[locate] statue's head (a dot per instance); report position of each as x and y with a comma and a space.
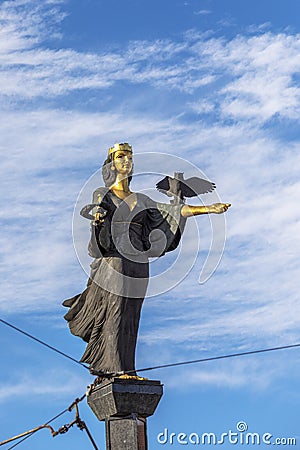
112, 165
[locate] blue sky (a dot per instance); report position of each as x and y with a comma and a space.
215, 83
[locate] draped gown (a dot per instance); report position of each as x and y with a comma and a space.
106, 314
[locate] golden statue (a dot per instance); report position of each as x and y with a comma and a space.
106, 314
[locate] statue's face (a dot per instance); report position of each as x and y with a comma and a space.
123, 162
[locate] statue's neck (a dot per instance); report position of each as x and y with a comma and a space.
121, 184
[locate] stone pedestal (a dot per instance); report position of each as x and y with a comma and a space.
125, 404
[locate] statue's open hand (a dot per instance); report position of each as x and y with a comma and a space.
219, 208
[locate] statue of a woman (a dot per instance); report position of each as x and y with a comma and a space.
127, 230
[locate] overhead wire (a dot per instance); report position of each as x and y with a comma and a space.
162, 366
214, 358
43, 343
31, 434
49, 421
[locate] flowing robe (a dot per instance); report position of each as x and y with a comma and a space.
106, 314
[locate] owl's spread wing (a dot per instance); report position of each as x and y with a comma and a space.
164, 186
196, 186
189, 188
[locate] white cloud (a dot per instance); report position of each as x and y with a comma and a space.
261, 28
48, 153
262, 232
202, 12
235, 374
51, 384
242, 69
24, 23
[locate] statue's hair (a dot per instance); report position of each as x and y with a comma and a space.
109, 175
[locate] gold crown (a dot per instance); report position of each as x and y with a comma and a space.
122, 146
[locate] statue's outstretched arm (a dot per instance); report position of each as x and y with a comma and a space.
215, 208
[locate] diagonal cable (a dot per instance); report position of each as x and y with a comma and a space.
214, 358
43, 343
47, 423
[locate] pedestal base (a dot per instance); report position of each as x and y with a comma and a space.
122, 397
124, 404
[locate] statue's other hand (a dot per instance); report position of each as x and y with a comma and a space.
219, 208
